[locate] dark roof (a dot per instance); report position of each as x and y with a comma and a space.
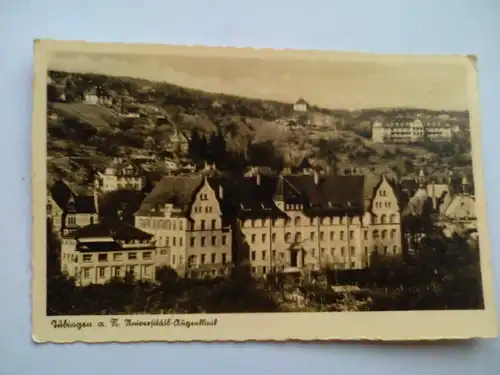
67, 199
117, 229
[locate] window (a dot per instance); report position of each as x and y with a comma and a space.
213, 258
351, 235
224, 239
288, 237
264, 269
173, 259
173, 224
102, 272
167, 241
353, 250
214, 224
288, 221
311, 221
253, 270
87, 257
181, 225
312, 236
264, 237
313, 253
385, 250
174, 240
181, 259
384, 234
332, 252
116, 272
366, 251
71, 220
383, 219
203, 241
103, 257
332, 235
192, 242
322, 251
253, 238
365, 234
273, 237
375, 234
264, 255
132, 256
254, 255
117, 256
342, 251
297, 221
208, 209
202, 261
393, 233
86, 273
202, 225
394, 249
192, 260
180, 241
91, 220
273, 256
223, 258
392, 219
146, 255
321, 236
163, 252
342, 235
298, 237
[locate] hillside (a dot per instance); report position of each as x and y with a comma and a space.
231, 131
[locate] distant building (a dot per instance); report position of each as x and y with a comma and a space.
301, 106
409, 130
67, 211
178, 142
186, 218
96, 253
97, 96
460, 214
120, 175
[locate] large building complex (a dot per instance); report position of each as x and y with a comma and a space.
410, 130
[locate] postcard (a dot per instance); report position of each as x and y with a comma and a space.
190, 193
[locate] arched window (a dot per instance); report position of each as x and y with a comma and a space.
288, 221
288, 237
393, 233
383, 219
384, 234
298, 237
395, 249
375, 234
297, 221
393, 218
341, 235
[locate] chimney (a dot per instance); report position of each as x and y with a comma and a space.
221, 191
316, 177
257, 177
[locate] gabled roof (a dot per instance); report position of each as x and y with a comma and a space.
301, 101
67, 199
116, 229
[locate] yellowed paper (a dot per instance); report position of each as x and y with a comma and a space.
224, 194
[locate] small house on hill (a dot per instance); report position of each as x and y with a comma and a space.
96, 95
301, 105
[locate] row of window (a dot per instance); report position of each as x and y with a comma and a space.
194, 260
204, 242
385, 250
383, 219
156, 224
147, 271
146, 255
199, 209
376, 234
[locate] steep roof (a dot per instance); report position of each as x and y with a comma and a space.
67, 199
116, 229
301, 101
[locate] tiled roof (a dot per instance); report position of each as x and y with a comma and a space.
117, 229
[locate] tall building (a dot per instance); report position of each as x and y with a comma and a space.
121, 175
185, 215
312, 221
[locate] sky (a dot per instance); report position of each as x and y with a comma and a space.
329, 84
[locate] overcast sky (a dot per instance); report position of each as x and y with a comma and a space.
349, 85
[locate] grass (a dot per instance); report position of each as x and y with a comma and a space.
98, 116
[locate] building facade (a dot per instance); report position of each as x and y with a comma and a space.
185, 216
119, 176
297, 222
68, 211
408, 130
97, 253
301, 106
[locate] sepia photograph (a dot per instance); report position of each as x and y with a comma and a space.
212, 194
